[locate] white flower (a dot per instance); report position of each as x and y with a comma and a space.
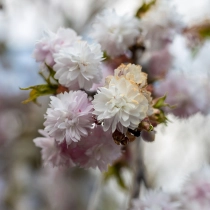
52, 153
51, 43
69, 116
115, 33
133, 73
79, 64
120, 104
162, 14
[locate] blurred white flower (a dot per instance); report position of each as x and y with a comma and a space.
69, 116
180, 143
120, 104
155, 200
196, 191
115, 33
52, 42
160, 24
79, 64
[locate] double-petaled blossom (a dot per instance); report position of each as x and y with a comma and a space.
122, 103
115, 33
69, 116
134, 74
51, 43
79, 65
155, 200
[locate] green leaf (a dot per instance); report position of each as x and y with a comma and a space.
161, 118
39, 90
115, 171
145, 7
161, 103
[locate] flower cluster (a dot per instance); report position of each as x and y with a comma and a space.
83, 119
77, 64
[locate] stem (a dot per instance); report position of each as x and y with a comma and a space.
46, 80
138, 175
94, 197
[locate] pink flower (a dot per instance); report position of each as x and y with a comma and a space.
96, 150
155, 200
69, 116
196, 192
51, 43
52, 153
189, 94
159, 63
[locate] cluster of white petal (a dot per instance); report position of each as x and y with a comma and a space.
155, 200
115, 33
51, 43
69, 116
133, 73
122, 103
79, 64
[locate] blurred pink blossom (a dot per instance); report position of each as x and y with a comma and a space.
52, 153
189, 94
196, 191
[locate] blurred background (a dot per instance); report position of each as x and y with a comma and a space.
24, 183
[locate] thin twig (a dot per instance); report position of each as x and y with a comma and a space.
138, 175
94, 197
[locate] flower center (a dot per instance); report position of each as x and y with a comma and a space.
71, 120
118, 101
